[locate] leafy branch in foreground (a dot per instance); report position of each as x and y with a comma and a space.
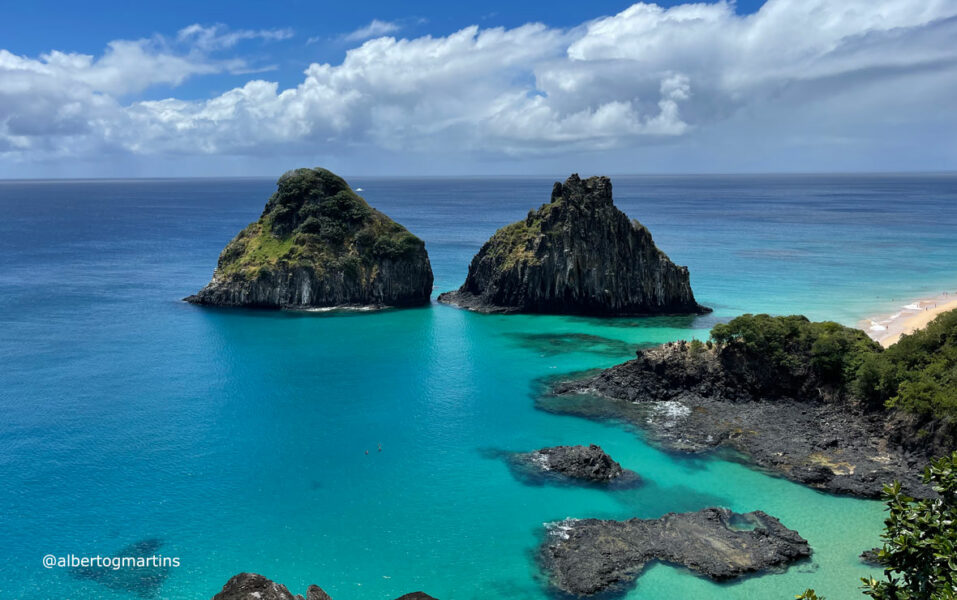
920, 541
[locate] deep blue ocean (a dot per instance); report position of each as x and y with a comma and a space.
236, 440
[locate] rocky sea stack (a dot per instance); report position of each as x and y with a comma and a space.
319, 244
578, 254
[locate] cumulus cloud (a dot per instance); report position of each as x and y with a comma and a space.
647, 75
375, 28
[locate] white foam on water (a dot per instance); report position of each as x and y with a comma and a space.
561, 529
541, 460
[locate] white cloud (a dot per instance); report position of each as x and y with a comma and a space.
219, 37
375, 28
798, 72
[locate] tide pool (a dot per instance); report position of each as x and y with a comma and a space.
238, 438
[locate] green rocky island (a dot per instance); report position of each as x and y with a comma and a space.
319, 244
577, 254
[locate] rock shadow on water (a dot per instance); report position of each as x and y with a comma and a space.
552, 344
691, 322
654, 499
141, 581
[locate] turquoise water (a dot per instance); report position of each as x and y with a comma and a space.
239, 438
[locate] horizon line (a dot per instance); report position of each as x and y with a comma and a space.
486, 176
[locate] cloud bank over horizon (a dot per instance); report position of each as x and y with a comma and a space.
798, 85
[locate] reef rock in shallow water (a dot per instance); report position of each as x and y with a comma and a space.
319, 244
590, 556
587, 463
578, 254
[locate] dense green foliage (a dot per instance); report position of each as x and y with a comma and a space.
918, 374
831, 351
920, 541
315, 219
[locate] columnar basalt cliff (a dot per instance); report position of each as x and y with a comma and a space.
319, 244
578, 254
585, 557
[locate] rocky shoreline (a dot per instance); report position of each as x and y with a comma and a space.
591, 556
687, 401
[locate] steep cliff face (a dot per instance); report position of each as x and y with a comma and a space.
578, 254
319, 244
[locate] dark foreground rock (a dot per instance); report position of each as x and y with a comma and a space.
318, 245
588, 463
590, 556
694, 400
871, 557
578, 254
250, 586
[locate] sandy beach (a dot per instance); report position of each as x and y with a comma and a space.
888, 329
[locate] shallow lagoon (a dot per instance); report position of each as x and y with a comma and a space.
238, 438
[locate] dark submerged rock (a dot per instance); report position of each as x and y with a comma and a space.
578, 254
319, 244
590, 556
251, 586
143, 581
696, 399
588, 463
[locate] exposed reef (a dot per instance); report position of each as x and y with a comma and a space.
250, 586
318, 244
579, 255
590, 556
586, 463
788, 420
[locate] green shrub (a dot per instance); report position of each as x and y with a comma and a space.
918, 374
795, 344
920, 540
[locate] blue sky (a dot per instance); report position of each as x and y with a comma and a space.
106, 89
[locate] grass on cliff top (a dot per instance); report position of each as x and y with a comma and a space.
918, 374
514, 243
315, 219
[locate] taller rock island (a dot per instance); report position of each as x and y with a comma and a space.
578, 254
319, 244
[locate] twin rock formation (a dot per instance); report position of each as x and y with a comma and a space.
319, 244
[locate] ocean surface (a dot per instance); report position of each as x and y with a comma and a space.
237, 440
